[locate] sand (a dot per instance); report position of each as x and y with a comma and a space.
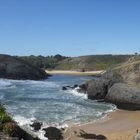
70, 72
118, 125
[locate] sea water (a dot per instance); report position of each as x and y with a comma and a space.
45, 101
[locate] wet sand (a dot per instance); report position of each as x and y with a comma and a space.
118, 125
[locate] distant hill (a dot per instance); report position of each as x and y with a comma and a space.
46, 62
15, 68
91, 62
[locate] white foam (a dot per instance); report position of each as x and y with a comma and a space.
76, 93
22, 121
4, 84
41, 83
40, 134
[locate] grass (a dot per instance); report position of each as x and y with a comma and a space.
4, 117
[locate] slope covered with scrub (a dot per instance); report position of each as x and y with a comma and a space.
129, 71
91, 62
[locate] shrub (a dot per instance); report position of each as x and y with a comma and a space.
11, 129
4, 117
2, 108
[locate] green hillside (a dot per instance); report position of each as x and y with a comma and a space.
91, 62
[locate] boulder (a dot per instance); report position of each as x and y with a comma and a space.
52, 133
64, 88
124, 96
82, 88
85, 135
36, 125
15, 68
97, 88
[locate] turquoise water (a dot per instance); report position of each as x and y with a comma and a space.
46, 102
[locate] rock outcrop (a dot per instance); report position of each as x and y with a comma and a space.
15, 68
124, 96
119, 85
53, 133
97, 88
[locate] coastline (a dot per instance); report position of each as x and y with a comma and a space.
72, 72
117, 125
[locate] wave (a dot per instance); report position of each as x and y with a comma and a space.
5, 84
22, 121
76, 93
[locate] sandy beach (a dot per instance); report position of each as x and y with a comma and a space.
118, 125
70, 72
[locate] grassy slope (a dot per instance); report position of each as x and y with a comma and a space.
129, 70
91, 62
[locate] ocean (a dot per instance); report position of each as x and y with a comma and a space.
45, 101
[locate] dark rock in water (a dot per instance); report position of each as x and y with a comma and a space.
52, 133
75, 86
15, 68
124, 96
36, 125
69, 87
82, 88
64, 88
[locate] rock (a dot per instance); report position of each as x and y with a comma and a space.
36, 125
64, 88
97, 88
82, 88
124, 96
69, 87
52, 133
15, 68
85, 135
75, 86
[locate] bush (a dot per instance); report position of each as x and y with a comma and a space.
11, 129
2, 108
4, 118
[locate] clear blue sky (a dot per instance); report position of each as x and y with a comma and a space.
69, 27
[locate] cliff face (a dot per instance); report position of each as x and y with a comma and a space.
15, 68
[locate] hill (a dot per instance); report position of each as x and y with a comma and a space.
129, 71
15, 68
91, 62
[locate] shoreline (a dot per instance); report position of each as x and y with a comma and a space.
116, 125
72, 72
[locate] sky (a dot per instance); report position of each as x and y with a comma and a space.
69, 27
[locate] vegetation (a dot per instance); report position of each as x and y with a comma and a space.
44, 62
11, 129
91, 62
129, 71
4, 117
